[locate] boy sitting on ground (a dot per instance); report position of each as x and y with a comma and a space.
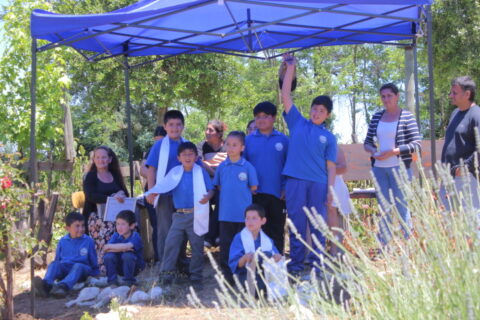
191, 190
124, 251
75, 260
247, 242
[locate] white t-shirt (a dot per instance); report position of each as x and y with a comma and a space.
386, 132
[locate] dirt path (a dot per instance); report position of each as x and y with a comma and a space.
174, 305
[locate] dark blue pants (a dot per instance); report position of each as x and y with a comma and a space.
68, 274
121, 263
152, 216
299, 194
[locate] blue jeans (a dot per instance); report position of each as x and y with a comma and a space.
386, 181
68, 274
300, 193
121, 263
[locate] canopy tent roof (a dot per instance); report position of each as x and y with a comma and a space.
242, 27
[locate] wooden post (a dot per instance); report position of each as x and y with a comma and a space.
68, 131
409, 80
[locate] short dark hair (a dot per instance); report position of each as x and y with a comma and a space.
266, 107
72, 217
237, 134
187, 146
173, 114
324, 101
160, 131
466, 83
250, 123
389, 86
128, 216
256, 207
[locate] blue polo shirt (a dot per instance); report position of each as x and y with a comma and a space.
268, 155
77, 250
235, 180
310, 147
137, 243
154, 154
183, 192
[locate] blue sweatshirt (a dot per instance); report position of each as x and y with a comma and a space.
77, 250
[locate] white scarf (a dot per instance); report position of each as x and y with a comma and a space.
163, 158
249, 243
172, 179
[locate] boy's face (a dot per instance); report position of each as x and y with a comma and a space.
234, 146
174, 128
123, 228
318, 113
187, 158
264, 122
76, 229
253, 221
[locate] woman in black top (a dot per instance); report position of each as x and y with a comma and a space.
212, 151
104, 179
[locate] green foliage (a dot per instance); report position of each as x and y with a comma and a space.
456, 39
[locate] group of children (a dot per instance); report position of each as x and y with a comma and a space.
76, 258
261, 170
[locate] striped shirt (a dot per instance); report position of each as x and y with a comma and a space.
407, 138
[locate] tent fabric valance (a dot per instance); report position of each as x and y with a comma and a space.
173, 27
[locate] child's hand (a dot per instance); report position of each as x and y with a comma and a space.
289, 59
248, 257
151, 198
205, 199
277, 257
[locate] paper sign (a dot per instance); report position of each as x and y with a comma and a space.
113, 207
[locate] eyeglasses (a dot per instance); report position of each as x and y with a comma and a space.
263, 117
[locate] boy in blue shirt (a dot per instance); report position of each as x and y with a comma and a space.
310, 166
266, 149
75, 260
237, 180
249, 240
192, 189
161, 159
124, 251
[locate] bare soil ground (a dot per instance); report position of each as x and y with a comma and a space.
174, 305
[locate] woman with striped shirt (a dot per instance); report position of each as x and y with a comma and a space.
392, 137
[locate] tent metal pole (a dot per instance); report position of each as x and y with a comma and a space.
126, 72
431, 88
249, 24
33, 174
415, 74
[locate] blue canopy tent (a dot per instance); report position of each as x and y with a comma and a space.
247, 28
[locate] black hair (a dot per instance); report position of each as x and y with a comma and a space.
266, 107
237, 134
256, 207
160, 131
466, 83
389, 86
128, 216
173, 114
324, 101
249, 123
187, 146
72, 217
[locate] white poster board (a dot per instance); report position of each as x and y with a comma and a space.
113, 207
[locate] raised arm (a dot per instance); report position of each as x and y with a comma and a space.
290, 62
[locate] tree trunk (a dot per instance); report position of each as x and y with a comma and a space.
160, 114
68, 130
409, 80
8, 311
353, 101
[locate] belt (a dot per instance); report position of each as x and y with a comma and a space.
184, 210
